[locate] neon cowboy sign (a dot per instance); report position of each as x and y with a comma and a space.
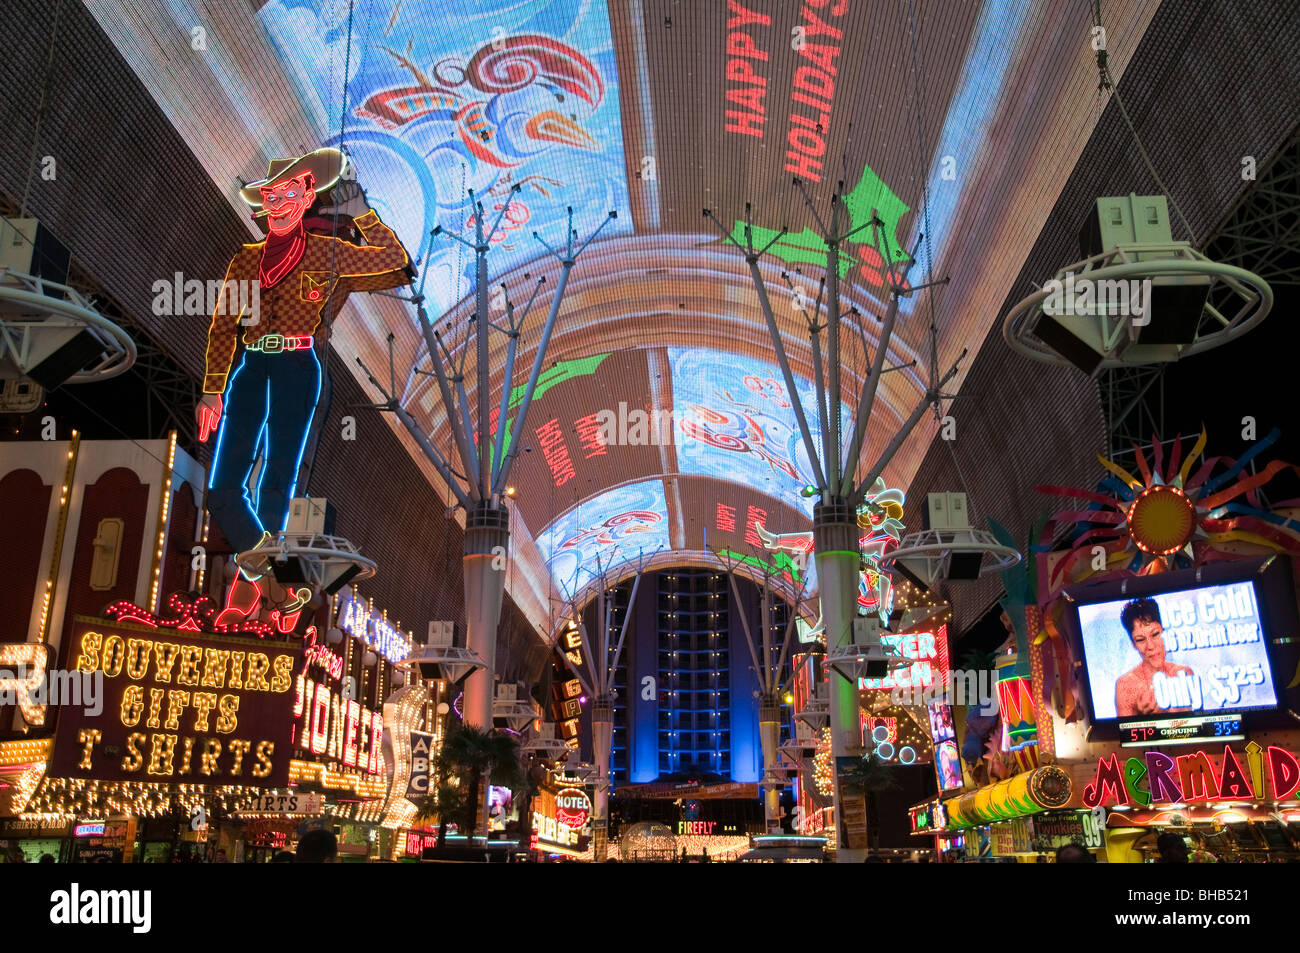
1158, 778
375, 631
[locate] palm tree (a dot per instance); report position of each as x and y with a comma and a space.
979, 660
531, 777
867, 777
472, 754
444, 805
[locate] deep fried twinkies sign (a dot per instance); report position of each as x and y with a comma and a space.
179, 708
1251, 774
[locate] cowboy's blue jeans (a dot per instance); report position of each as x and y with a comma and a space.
267, 412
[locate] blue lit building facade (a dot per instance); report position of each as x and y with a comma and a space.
686, 705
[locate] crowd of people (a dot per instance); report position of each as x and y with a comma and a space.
317, 846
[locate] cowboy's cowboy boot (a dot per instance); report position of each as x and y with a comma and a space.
252, 563
289, 599
298, 599
242, 600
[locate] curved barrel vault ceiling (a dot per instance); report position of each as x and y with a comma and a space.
626, 105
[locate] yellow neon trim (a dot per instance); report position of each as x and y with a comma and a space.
164, 507
59, 531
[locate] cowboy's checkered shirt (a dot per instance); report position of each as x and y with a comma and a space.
303, 300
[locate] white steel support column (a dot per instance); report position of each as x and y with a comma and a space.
487, 542
769, 730
835, 547
836, 536
602, 742
482, 487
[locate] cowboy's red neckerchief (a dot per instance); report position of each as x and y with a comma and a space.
280, 255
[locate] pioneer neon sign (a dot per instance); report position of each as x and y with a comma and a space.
1159, 778
336, 727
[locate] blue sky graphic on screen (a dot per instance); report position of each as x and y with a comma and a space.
1198, 651
522, 92
734, 421
606, 530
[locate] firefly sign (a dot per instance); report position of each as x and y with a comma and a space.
572, 808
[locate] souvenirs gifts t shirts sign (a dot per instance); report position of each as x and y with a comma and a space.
179, 707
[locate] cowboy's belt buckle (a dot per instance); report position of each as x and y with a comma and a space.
272, 343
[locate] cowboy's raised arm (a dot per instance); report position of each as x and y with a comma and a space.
382, 262
382, 255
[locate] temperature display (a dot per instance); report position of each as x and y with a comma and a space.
1180, 730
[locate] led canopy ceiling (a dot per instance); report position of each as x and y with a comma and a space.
657, 109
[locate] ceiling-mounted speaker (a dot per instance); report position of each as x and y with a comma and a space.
29, 248
914, 571
346, 576
290, 571
1126, 220
69, 352
1075, 339
963, 566
876, 668
311, 516
1176, 306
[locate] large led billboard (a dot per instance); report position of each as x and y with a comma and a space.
719, 431
638, 521
622, 524
1200, 650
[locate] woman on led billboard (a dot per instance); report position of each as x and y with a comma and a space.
1134, 690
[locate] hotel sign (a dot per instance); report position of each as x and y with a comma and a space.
550, 827
572, 808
